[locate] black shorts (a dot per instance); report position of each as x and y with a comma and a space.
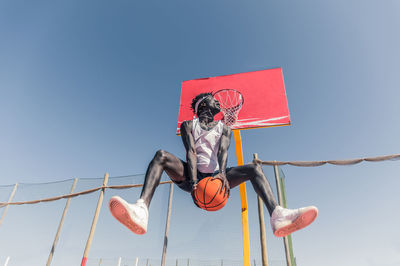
185, 185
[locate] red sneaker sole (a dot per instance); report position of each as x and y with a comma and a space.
120, 213
302, 221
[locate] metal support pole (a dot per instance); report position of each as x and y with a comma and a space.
263, 235
9, 200
137, 261
94, 223
243, 198
119, 261
171, 192
280, 198
53, 247
101, 260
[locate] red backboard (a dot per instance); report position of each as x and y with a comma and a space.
265, 102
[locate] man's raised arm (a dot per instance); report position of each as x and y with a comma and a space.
223, 156
223, 148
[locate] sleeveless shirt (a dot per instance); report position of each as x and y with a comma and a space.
207, 145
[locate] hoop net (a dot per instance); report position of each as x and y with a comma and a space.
231, 101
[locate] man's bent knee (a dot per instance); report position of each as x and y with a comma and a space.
256, 169
160, 156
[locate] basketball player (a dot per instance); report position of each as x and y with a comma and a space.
206, 142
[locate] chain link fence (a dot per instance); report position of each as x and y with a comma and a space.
176, 262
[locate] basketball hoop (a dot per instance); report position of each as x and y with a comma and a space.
231, 101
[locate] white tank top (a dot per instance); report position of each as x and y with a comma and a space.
207, 145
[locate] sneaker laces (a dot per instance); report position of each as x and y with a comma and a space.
140, 209
281, 214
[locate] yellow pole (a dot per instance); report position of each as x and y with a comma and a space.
243, 199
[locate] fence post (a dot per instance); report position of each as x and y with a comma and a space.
94, 223
7, 260
49, 259
171, 192
263, 235
9, 200
261, 221
280, 198
289, 237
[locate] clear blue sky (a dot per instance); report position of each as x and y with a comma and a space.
93, 86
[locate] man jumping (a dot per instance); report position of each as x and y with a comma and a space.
206, 142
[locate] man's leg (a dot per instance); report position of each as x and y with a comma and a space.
162, 161
283, 221
135, 216
255, 174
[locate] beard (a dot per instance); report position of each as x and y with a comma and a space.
206, 113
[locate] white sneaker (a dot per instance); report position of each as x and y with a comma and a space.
286, 221
134, 216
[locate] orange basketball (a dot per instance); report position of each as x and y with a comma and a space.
210, 195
